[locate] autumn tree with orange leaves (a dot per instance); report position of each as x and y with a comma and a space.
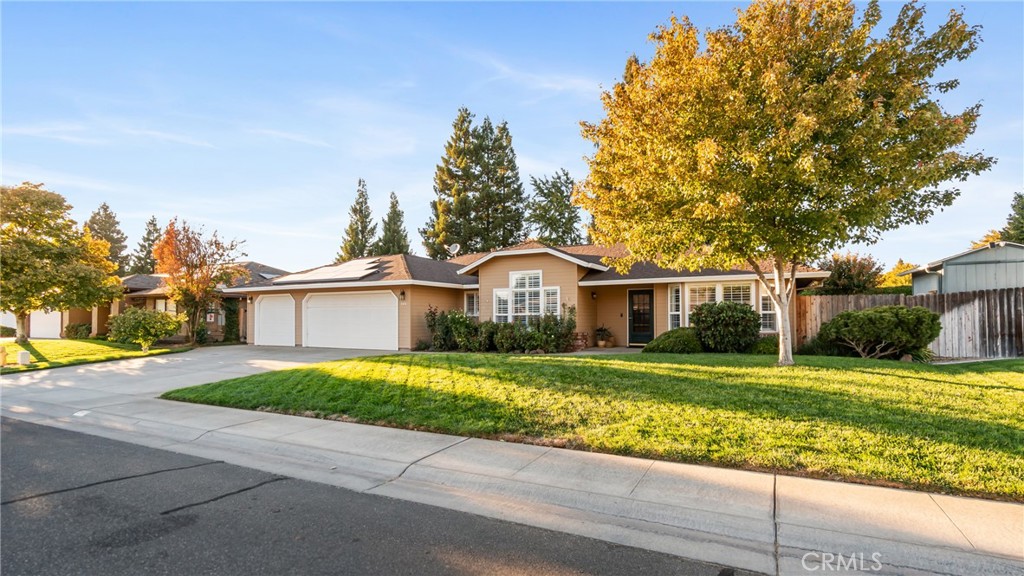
195, 267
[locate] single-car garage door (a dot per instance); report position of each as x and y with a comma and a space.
44, 324
351, 320
275, 320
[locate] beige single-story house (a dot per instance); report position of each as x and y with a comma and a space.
381, 302
147, 291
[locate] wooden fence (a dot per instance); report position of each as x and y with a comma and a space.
979, 324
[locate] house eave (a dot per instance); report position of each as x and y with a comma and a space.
322, 285
692, 279
555, 253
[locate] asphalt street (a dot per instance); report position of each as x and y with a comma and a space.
79, 504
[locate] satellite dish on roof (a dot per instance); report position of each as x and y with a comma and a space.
454, 249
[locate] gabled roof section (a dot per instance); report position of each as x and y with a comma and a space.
938, 264
140, 282
383, 270
535, 247
258, 271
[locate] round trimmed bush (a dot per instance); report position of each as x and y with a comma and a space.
726, 326
883, 331
678, 341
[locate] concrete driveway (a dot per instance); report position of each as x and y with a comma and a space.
119, 381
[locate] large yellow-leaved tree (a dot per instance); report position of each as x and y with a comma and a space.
779, 139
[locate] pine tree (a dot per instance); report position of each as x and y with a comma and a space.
508, 212
482, 226
359, 236
1014, 230
103, 224
142, 259
393, 237
454, 185
553, 218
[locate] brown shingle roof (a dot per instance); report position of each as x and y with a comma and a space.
393, 268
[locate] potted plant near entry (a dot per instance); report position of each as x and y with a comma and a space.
603, 335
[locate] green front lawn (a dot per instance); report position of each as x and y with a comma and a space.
54, 353
957, 428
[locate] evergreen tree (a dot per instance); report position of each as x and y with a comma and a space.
103, 224
509, 213
142, 260
481, 230
1014, 230
359, 236
393, 237
454, 184
553, 218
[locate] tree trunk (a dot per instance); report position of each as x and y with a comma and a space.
785, 331
21, 327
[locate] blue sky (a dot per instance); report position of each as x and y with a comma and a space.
257, 119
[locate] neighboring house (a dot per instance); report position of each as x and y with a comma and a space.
148, 291
995, 265
381, 302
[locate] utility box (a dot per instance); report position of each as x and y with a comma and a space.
24, 357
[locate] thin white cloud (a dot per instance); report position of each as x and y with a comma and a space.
542, 85
169, 137
289, 136
70, 132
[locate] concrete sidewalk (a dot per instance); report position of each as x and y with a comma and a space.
760, 522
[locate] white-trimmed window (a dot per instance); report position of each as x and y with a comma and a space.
675, 307
473, 304
767, 314
739, 293
165, 305
526, 297
697, 294
501, 305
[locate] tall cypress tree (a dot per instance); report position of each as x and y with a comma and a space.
103, 224
510, 211
393, 237
142, 259
454, 184
359, 236
1014, 229
552, 216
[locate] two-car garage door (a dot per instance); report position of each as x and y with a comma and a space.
367, 320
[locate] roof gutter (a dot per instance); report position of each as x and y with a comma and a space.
336, 285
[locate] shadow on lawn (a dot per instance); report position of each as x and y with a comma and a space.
723, 387
319, 392
39, 356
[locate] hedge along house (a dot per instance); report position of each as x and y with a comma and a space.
381, 303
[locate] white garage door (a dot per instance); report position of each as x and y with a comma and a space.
354, 320
275, 320
44, 324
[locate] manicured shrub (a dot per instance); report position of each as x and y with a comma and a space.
144, 327
726, 326
485, 338
7, 332
441, 337
201, 334
77, 331
767, 345
883, 332
556, 333
465, 330
678, 341
510, 337
422, 345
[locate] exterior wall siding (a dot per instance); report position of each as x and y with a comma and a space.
554, 272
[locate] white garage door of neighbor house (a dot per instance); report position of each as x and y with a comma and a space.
275, 320
366, 320
44, 324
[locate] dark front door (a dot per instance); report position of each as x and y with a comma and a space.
641, 316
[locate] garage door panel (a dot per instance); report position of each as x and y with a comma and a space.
44, 324
354, 320
275, 320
